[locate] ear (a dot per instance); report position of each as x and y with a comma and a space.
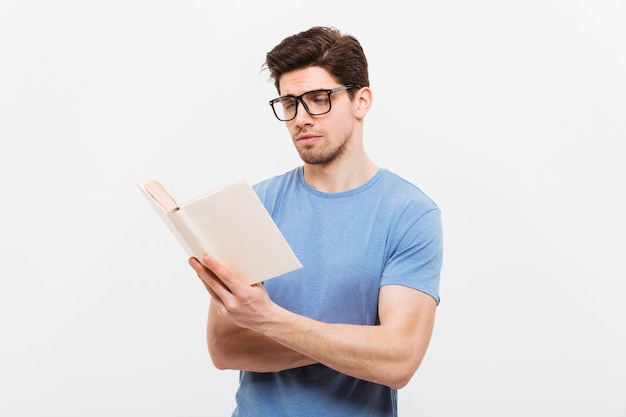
363, 102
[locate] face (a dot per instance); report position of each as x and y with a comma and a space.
325, 138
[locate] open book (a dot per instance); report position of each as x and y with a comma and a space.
230, 224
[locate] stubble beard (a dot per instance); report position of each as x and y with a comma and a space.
325, 153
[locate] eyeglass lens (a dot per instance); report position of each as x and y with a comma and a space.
314, 102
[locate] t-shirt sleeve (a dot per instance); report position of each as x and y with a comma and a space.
416, 259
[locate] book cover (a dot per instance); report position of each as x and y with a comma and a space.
229, 223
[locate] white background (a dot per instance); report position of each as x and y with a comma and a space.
510, 115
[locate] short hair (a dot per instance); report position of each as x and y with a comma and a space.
326, 47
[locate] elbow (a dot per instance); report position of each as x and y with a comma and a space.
400, 380
218, 362
404, 371
218, 357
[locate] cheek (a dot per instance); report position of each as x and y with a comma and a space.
293, 130
341, 125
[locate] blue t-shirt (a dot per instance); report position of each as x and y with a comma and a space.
350, 243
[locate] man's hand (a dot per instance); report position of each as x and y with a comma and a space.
247, 330
243, 304
231, 344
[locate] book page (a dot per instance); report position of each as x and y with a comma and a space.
230, 224
158, 193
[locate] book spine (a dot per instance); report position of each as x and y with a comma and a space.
181, 229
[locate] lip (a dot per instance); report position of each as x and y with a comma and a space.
307, 139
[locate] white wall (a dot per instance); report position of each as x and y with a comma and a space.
511, 115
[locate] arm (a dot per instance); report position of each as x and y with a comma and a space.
234, 347
388, 354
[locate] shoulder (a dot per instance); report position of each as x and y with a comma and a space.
415, 238
403, 196
415, 221
272, 189
276, 183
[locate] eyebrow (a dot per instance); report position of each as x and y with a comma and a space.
307, 91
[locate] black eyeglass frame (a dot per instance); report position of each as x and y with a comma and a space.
306, 108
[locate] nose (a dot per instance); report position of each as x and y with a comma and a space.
303, 118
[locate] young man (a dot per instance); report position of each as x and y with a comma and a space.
341, 335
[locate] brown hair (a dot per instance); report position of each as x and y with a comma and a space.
341, 55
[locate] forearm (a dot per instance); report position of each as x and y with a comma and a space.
372, 353
277, 339
233, 347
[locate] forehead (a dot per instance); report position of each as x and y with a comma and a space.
305, 79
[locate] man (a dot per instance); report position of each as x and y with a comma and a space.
341, 335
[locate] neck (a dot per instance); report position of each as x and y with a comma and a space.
337, 176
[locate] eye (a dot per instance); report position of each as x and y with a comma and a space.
288, 103
317, 98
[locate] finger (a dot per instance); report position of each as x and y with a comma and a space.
208, 278
202, 271
208, 288
230, 281
196, 264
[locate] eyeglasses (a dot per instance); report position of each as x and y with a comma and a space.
316, 103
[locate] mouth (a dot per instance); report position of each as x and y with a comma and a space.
307, 139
